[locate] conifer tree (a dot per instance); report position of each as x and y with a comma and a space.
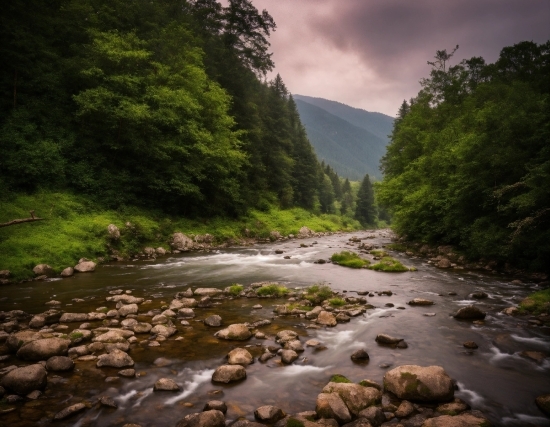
365, 211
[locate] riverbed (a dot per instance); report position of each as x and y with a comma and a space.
493, 378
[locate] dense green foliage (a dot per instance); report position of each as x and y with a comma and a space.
349, 259
152, 104
469, 158
76, 227
365, 210
350, 140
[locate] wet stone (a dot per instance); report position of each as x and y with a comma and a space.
217, 405
166, 384
470, 345
68, 411
108, 402
360, 355
127, 373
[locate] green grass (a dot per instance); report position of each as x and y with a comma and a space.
339, 379
349, 259
272, 290
75, 227
337, 302
390, 265
378, 252
317, 293
293, 422
235, 289
537, 303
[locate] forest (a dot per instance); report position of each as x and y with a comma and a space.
469, 159
160, 105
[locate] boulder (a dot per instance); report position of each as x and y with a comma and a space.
331, 405
355, 396
239, 356
373, 415
114, 232
166, 384
85, 266
125, 299
288, 356
237, 331
73, 317
285, 335
229, 373
160, 251
67, 272
326, 318
142, 328
405, 409
312, 314
218, 405
294, 345
543, 402
213, 320
43, 349
181, 242
43, 269
305, 232
212, 418
149, 251
20, 338
453, 408
420, 301
470, 312
115, 359
187, 313
421, 384
37, 322
68, 411
183, 303
127, 309
268, 414
479, 295
462, 420
165, 331
444, 263
387, 339
26, 379
360, 355
113, 336
59, 363
205, 302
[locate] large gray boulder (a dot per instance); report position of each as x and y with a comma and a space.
20, 338
115, 359
212, 418
288, 356
470, 312
26, 379
421, 384
43, 349
229, 373
355, 396
237, 331
331, 405
239, 356
181, 242
165, 331
207, 292
214, 320
73, 317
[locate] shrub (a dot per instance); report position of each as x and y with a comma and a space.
378, 252
337, 302
318, 293
389, 264
349, 259
272, 290
235, 289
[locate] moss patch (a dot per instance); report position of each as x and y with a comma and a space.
272, 290
537, 303
339, 379
318, 293
337, 302
293, 422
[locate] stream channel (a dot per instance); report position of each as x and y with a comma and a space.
494, 378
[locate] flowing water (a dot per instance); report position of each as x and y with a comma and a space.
493, 378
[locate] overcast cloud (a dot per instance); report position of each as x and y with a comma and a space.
371, 54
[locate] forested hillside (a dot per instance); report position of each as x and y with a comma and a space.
155, 104
469, 158
350, 140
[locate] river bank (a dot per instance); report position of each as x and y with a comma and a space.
74, 227
500, 378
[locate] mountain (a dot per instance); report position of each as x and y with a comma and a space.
352, 141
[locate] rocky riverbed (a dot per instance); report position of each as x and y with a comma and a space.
271, 352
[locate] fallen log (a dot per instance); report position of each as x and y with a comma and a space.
20, 221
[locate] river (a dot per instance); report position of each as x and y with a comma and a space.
494, 378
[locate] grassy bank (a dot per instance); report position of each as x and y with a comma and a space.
74, 227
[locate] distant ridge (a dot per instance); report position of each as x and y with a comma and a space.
351, 140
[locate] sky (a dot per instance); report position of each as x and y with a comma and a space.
371, 54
